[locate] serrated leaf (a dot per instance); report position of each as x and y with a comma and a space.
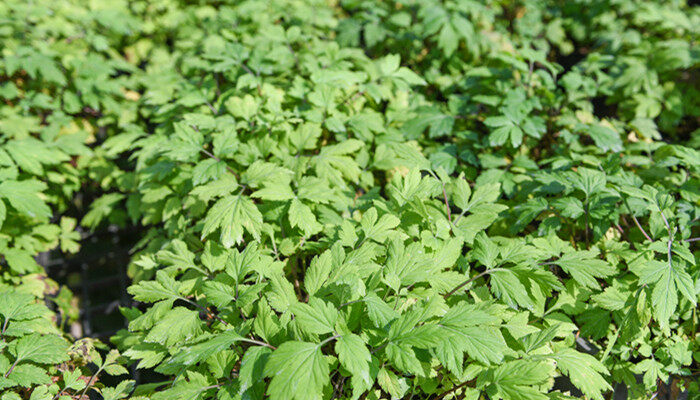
42, 349
584, 371
354, 356
298, 370
25, 197
316, 316
584, 268
231, 214
178, 326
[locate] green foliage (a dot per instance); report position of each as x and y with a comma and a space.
59, 93
368, 199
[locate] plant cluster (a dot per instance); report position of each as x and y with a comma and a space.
60, 93
358, 199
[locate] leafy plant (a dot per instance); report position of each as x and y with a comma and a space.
365, 200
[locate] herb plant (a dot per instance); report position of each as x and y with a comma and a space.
369, 199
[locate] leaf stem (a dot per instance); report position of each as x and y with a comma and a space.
14, 364
4, 326
587, 223
444, 195
212, 156
670, 235
350, 302
447, 204
336, 336
636, 222
470, 280
89, 383
259, 343
201, 307
454, 389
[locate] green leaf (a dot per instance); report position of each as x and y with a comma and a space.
404, 359
300, 215
165, 288
437, 123
485, 251
392, 384
318, 272
232, 214
378, 229
584, 268
42, 349
379, 312
354, 356
519, 379
28, 375
281, 296
506, 286
298, 370
121, 391
253, 367
3, 212
202, 351
605, 138
316, 316
584, 371
178, 326
25, 196
16, 306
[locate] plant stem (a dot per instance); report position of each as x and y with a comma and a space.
470, 280
454, 389
587, 223
349, 302
9, 371
636, 222
213, 315
444, 195
89, 383
447, 204
336, 336
259, 343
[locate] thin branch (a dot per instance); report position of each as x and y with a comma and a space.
349, 302
259, 343
470, 280
668, 227
695, 239
587, 223
336, 336
636, 222
211, 107
201, 307
212, 156
447, 204
376, 349
255, 74
4, 326
14, 364
455, 388
670, 235
612, 342
670, 244
89, 383
352, 97
294, 54
444, 195
246, 69
460, 216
